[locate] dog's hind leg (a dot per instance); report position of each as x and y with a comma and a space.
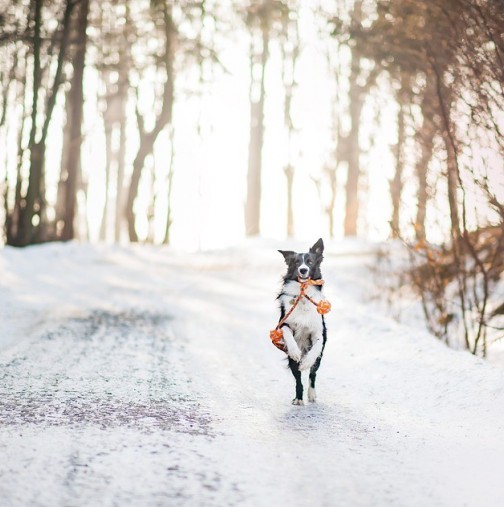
294, 366
312, 394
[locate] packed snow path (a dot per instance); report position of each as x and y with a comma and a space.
139, 376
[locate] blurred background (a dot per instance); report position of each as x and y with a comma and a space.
197, 124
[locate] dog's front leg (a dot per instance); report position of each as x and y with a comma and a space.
310, 358
292, 347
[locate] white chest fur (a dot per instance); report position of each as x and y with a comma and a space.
305, 319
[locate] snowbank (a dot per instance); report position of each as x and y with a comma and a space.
142, 375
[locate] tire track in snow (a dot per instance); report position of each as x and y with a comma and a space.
100, 412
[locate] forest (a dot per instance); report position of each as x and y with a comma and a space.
251, 253
159, 121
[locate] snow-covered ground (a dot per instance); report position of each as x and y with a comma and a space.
143, 376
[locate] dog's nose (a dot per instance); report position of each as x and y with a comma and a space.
303, 271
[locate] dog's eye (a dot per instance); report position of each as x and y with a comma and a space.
309, 262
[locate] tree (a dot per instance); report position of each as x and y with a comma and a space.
76, 102
260, 19
425, 141
163, 12
30, 211
360, 83
396, 184
290, 53
114, 65
454, 52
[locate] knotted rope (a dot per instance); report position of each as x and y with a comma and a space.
323, 307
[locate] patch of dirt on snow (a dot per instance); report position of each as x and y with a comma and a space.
107, 370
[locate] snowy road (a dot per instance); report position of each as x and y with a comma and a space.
134, 376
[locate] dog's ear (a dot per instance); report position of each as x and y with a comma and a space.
318, 248
288, 255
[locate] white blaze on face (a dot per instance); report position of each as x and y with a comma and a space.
304, 270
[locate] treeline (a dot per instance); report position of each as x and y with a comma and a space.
446, 60
436, 66
440, 64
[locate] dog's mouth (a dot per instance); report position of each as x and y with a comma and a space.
303, 278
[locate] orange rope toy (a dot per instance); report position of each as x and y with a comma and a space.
323, 307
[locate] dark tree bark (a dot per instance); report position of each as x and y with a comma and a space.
6, 85
25, 226
13, 216
65, 151
77, 101
32, 209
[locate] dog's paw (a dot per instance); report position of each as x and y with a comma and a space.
306, 363
312, 395
296, 401
295, 354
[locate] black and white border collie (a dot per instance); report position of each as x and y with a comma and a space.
304, 332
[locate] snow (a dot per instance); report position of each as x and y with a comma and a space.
145, 376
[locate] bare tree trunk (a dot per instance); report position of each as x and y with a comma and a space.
108, 162
77, 100
6, 84
396, 185
253, 201
34, 200
290, 54
121, 156
25, 226
333, 186
350, 144
353, 150
146, 147
452, 177
12, 220
10, 78
5, 189
331, 169
426, 140
289, 173
65, 151
422, 167
147, 139
452, 185
452, 169
166, 239
123, 88
32, 217
151, 209
114, 116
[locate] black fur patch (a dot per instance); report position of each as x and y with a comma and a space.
312, 259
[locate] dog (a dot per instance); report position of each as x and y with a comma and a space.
304, 331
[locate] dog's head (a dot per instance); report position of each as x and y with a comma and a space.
304, 265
